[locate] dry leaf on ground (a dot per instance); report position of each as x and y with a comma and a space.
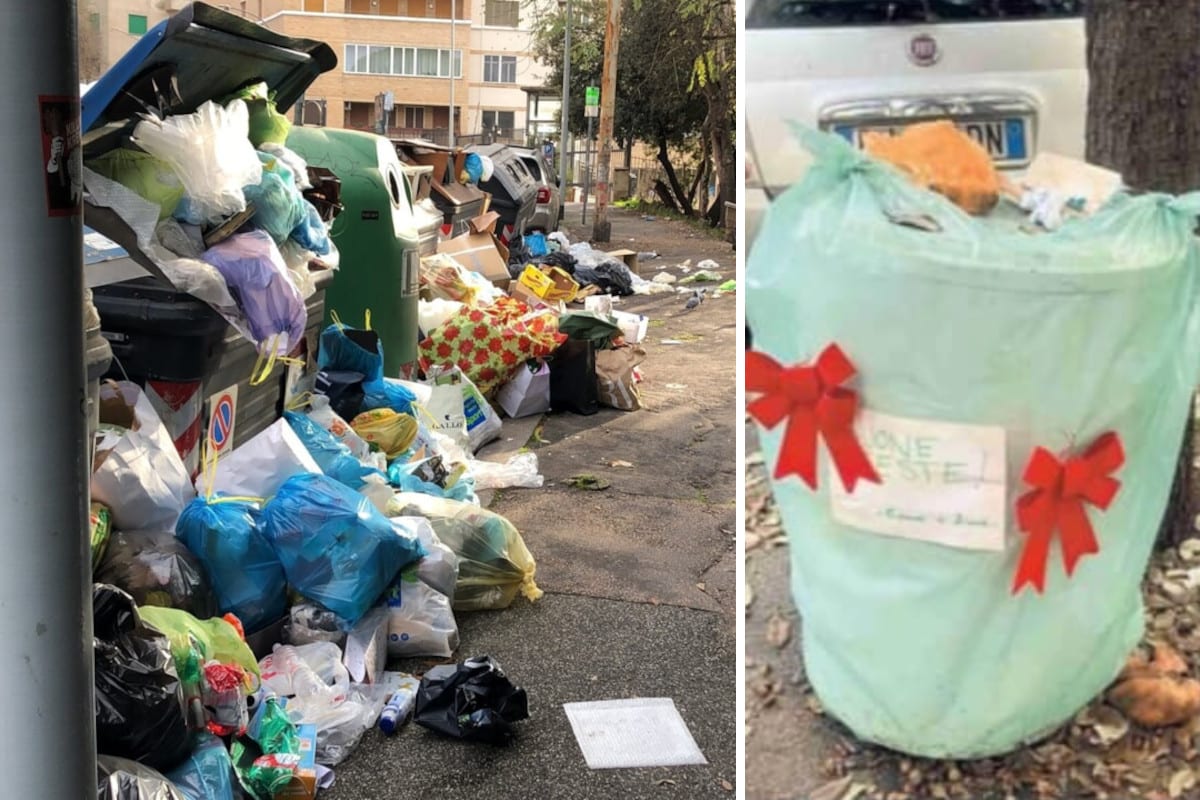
779, 631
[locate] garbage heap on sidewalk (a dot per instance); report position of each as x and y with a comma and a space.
244, 616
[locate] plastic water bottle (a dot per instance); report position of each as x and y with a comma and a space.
398, 707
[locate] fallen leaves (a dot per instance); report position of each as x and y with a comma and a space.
1157, 693
779, 631
1180, 782
589, 483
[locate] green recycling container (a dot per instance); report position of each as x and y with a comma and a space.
376, 235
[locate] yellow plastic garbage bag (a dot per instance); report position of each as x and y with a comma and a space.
493, 561
390, 431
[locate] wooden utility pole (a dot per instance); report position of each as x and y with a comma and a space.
602, 228
1144, 122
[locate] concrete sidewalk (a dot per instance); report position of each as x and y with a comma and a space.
639, 578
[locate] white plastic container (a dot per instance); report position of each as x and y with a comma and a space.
633, 326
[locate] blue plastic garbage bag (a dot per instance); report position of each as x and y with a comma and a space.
536, 244
346, 349
333, 457
247, 577
310, 232
384, 393
474, 167
208, 772
278, 205
401, 479
257, 276
336, 548
913, 636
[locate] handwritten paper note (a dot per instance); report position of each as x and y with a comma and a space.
942, 482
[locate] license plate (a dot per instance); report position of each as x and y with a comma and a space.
1006, 140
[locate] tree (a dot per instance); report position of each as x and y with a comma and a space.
659, 100
1144, 122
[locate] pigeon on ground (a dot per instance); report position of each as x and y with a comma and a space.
696, 299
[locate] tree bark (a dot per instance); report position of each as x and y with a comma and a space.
664, 158
1144, 122
664, 194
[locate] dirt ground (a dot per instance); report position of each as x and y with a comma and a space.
795, 752
639, 577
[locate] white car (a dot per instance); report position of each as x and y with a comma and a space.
1012, 73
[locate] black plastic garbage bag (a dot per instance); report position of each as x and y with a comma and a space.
158, 570
561, 259
122, 779
344, 390
139, 698
611, 277
472, 701
573, 384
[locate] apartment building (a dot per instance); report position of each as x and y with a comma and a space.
415, 49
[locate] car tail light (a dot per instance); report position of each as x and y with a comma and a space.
543, 194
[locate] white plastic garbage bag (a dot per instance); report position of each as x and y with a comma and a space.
520, 471
258, 468
421, 621
137, 472
210, 152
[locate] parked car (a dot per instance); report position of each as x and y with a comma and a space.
549, 208
513, 189
1012, 73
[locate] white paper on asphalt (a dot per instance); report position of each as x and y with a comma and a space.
640, 732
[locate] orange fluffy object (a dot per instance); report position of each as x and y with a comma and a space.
1157, 693
938, 156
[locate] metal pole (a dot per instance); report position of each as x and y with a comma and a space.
566, 108
602, 228
587, 171
46, 676
453, 25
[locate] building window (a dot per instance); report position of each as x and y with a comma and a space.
499, 120
501, 13
414, 117
137, 24
499, 69
413, 62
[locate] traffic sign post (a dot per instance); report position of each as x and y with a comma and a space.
591, 110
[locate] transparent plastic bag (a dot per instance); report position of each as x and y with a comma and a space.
211, 153
122, 779
322, 413
520, 470
208, 772
292, 159
309, 623
157, 569
253, 268
312, 673
152, 178
214, 639
439, 567
493, 562
391, 432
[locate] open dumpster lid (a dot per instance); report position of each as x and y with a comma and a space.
201, 54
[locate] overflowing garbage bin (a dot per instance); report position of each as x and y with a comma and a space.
972, 424
459, 203
429, 219
513, 189
376, 234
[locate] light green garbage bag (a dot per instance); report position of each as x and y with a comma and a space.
912, 634
150, 177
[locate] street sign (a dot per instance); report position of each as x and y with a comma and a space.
591, 111
389, 100
591, 96
221, 419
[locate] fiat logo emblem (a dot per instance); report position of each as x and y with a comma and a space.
923, 50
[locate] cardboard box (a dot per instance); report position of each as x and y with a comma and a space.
519, 291
304, 784
552, 285
479, 250
628, 257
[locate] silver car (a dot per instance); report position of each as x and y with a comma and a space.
549, 208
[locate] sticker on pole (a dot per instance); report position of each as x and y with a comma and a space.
62, 160
221, 418
591, 96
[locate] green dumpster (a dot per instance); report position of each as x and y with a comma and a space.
376, 235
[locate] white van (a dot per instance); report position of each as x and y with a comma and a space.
1012, 73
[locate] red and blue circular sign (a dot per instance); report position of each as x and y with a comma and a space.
220, 429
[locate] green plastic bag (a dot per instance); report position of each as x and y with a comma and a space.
149, 177
1042, 339
211, 639
266, 123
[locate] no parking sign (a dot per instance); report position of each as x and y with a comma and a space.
222, 415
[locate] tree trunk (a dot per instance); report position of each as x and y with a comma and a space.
664, 158
664, 194
1144, 122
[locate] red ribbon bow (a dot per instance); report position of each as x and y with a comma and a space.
1057, 500
811, 399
